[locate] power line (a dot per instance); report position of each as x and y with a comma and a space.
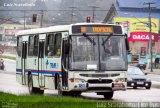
93, 9
72, 13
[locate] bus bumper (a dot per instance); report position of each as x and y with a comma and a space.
85, 86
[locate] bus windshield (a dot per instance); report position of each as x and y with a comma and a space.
98, 53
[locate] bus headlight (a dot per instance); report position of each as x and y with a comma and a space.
121, 80
77, 80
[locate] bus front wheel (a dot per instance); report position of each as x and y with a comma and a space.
108, 95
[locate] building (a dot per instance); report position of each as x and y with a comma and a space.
133, 15
8, 32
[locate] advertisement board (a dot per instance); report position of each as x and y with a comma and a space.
138, 29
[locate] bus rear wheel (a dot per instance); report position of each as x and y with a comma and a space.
33, 90
59, 86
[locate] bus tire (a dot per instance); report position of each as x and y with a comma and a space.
59, 86
75, 93
37, 91
108, 95
30, 84
33, 90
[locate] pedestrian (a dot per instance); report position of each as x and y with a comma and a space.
156, 62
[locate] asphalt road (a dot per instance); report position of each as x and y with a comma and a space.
8, 84
10, 66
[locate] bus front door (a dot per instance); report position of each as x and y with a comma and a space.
41, 64
24, 61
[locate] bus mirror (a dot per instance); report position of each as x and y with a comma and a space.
126, 42
67, 47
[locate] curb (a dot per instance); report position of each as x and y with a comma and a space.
155, 84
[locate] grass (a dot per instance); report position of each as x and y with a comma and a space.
39, 101
8, 57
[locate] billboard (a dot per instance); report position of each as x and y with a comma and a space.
11, 32
138, 29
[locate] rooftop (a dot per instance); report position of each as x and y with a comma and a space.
137, 3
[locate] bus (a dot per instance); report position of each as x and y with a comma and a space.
72, 59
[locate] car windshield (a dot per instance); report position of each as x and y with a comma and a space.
98, 53
134, 71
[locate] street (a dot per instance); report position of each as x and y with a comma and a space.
94, 46
10, 66
8, 84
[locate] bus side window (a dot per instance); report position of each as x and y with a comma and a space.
49, 45
57, 44
19, 46
36, 45
31, 45
53, 44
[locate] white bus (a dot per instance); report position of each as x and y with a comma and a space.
73, 59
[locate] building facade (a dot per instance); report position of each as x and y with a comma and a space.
133, 16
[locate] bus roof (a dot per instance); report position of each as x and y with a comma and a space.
54, 28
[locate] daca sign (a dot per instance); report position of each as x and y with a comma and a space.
142, 36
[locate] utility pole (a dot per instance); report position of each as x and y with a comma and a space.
150, 33
41, 23
24, 20
93, 9
72, 13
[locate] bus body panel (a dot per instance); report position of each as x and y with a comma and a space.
83, 84
18, 70
44, 68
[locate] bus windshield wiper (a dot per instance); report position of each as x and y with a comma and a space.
104, 41
89, 38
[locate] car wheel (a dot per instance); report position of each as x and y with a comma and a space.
148, 87
135, 87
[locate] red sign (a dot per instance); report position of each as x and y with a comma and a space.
142, 37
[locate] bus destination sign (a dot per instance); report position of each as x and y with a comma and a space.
96, 29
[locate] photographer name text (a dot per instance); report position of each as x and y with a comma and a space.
19, 4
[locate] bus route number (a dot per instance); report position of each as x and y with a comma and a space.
82, 86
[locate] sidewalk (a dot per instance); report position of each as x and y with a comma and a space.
9, 54
155, 71
155, 77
